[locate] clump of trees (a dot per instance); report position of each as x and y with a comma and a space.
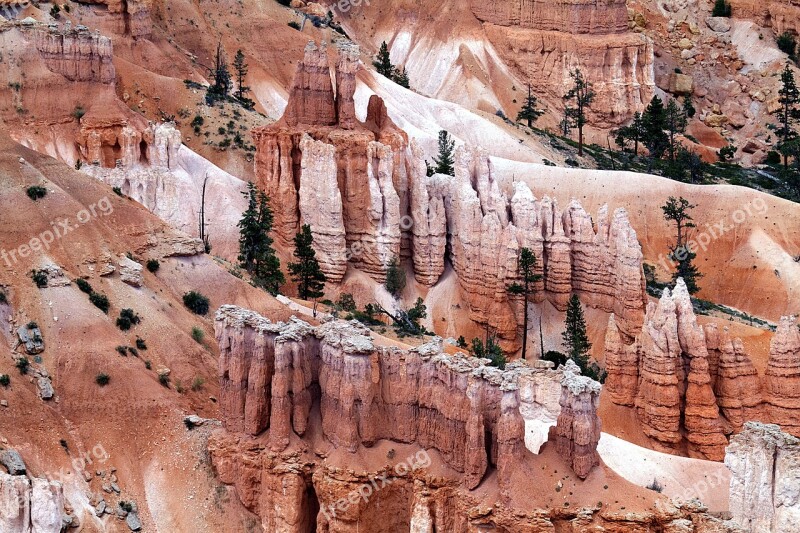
491, 350
223, 81
395, 278
256, 254
383, 64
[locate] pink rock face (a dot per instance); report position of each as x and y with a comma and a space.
77, 55
468, 412
782, 377
364, 161
622, 367
583, 16
578, 427
738, 389
667, 372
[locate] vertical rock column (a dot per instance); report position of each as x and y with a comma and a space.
319, 188
782, 383
578, 426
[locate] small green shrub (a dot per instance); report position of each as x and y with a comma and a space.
656, 486
197, 383
196, 303
198, 335
294, 24
153, 265
23, 365
140, 344
39, 277
36, 192
84, 285
163, 379
787, 44
3, 298
117, 191
123, 350
5, 380
556, 357
127, 319
100, 301
188, 423
133, 351
126, 506
148, 365
78, 112
773, 158
102, 379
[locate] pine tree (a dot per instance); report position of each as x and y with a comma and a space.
400, 77
383, 63
654, 122
446, 159
526, 269
241, 68
677, 211
306, 272
576, 341
633, 132
529, 113
395, 278
256, 254
583, 95
788, 98
675, 121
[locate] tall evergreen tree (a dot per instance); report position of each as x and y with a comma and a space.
306, 272
654, 122
576, 341
446, 159
241, 68
788, 98
383, 63
395, 278
675, 122
526, 269
677, 210
583, 95
529, 113
256, 254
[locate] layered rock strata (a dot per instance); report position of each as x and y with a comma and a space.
77, 54
542, 42
665, 374
271, 375
365, 159
692, 386
782, 377
112, 139
131, 17
366, 194
486, 230
765, 467
439, 413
